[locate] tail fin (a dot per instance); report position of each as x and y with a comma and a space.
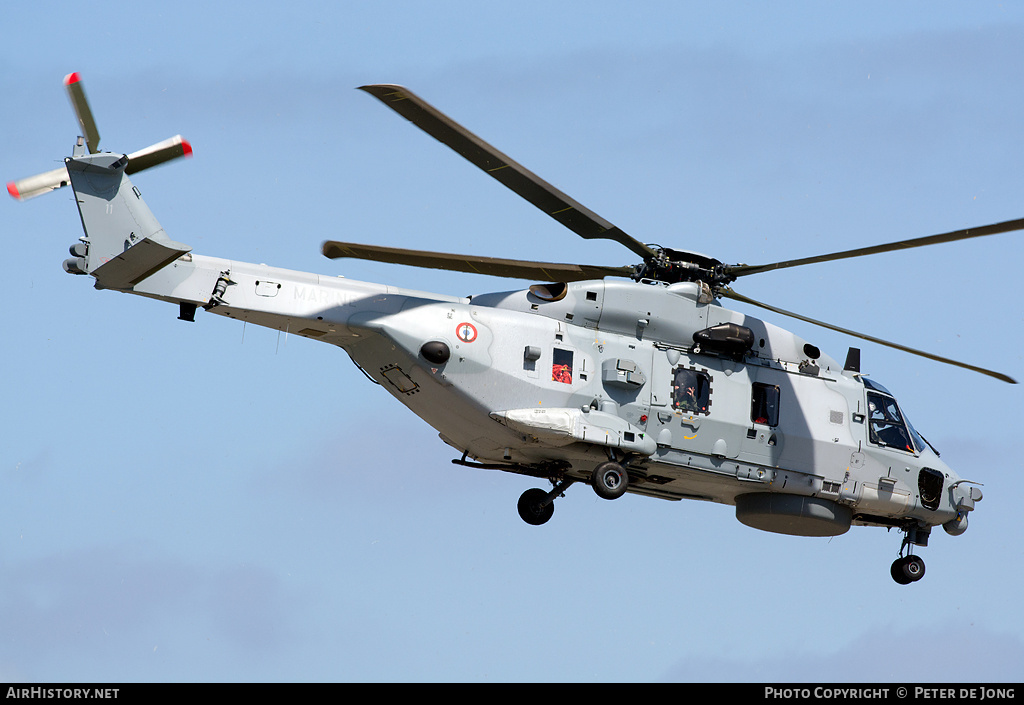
123, 241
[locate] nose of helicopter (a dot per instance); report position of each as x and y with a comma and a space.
963, 495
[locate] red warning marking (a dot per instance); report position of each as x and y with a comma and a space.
466, 332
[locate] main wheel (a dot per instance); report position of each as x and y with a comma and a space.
531, 510
609, 480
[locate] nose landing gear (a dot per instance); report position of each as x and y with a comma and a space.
909, 568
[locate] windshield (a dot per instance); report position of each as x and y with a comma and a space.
872, 384
919, 441
887, 427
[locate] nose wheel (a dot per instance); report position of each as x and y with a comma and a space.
909, 568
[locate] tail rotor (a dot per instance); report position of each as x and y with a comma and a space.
155, 154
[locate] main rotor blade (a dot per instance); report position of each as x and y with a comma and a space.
740, 270
73, 85
729, 293
513, 268
578, 218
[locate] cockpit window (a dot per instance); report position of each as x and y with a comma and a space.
919, 441
886, 425
872, 384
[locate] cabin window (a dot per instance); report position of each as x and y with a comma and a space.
764, 406
691, 391
886, 425
561, 366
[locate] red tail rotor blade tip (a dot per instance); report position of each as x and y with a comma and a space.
13, 190
72, 78
187, 147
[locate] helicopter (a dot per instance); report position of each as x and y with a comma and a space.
632, 378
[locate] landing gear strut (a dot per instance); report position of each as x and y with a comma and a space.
909, 568
537, 506
609, 481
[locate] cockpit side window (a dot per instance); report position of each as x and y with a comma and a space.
886, 425
691, 390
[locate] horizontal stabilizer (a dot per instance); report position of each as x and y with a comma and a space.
138, 262
151, 156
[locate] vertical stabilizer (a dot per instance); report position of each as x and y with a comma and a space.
124, 243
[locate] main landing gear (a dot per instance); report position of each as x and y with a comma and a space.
536, 506
909, 568
609, 480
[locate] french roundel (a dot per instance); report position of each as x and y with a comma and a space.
466, 332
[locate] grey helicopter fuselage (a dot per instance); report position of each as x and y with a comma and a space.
633, 378
553, 384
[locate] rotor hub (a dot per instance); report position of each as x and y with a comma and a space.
673, 266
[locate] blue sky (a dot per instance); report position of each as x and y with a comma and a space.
193, 502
